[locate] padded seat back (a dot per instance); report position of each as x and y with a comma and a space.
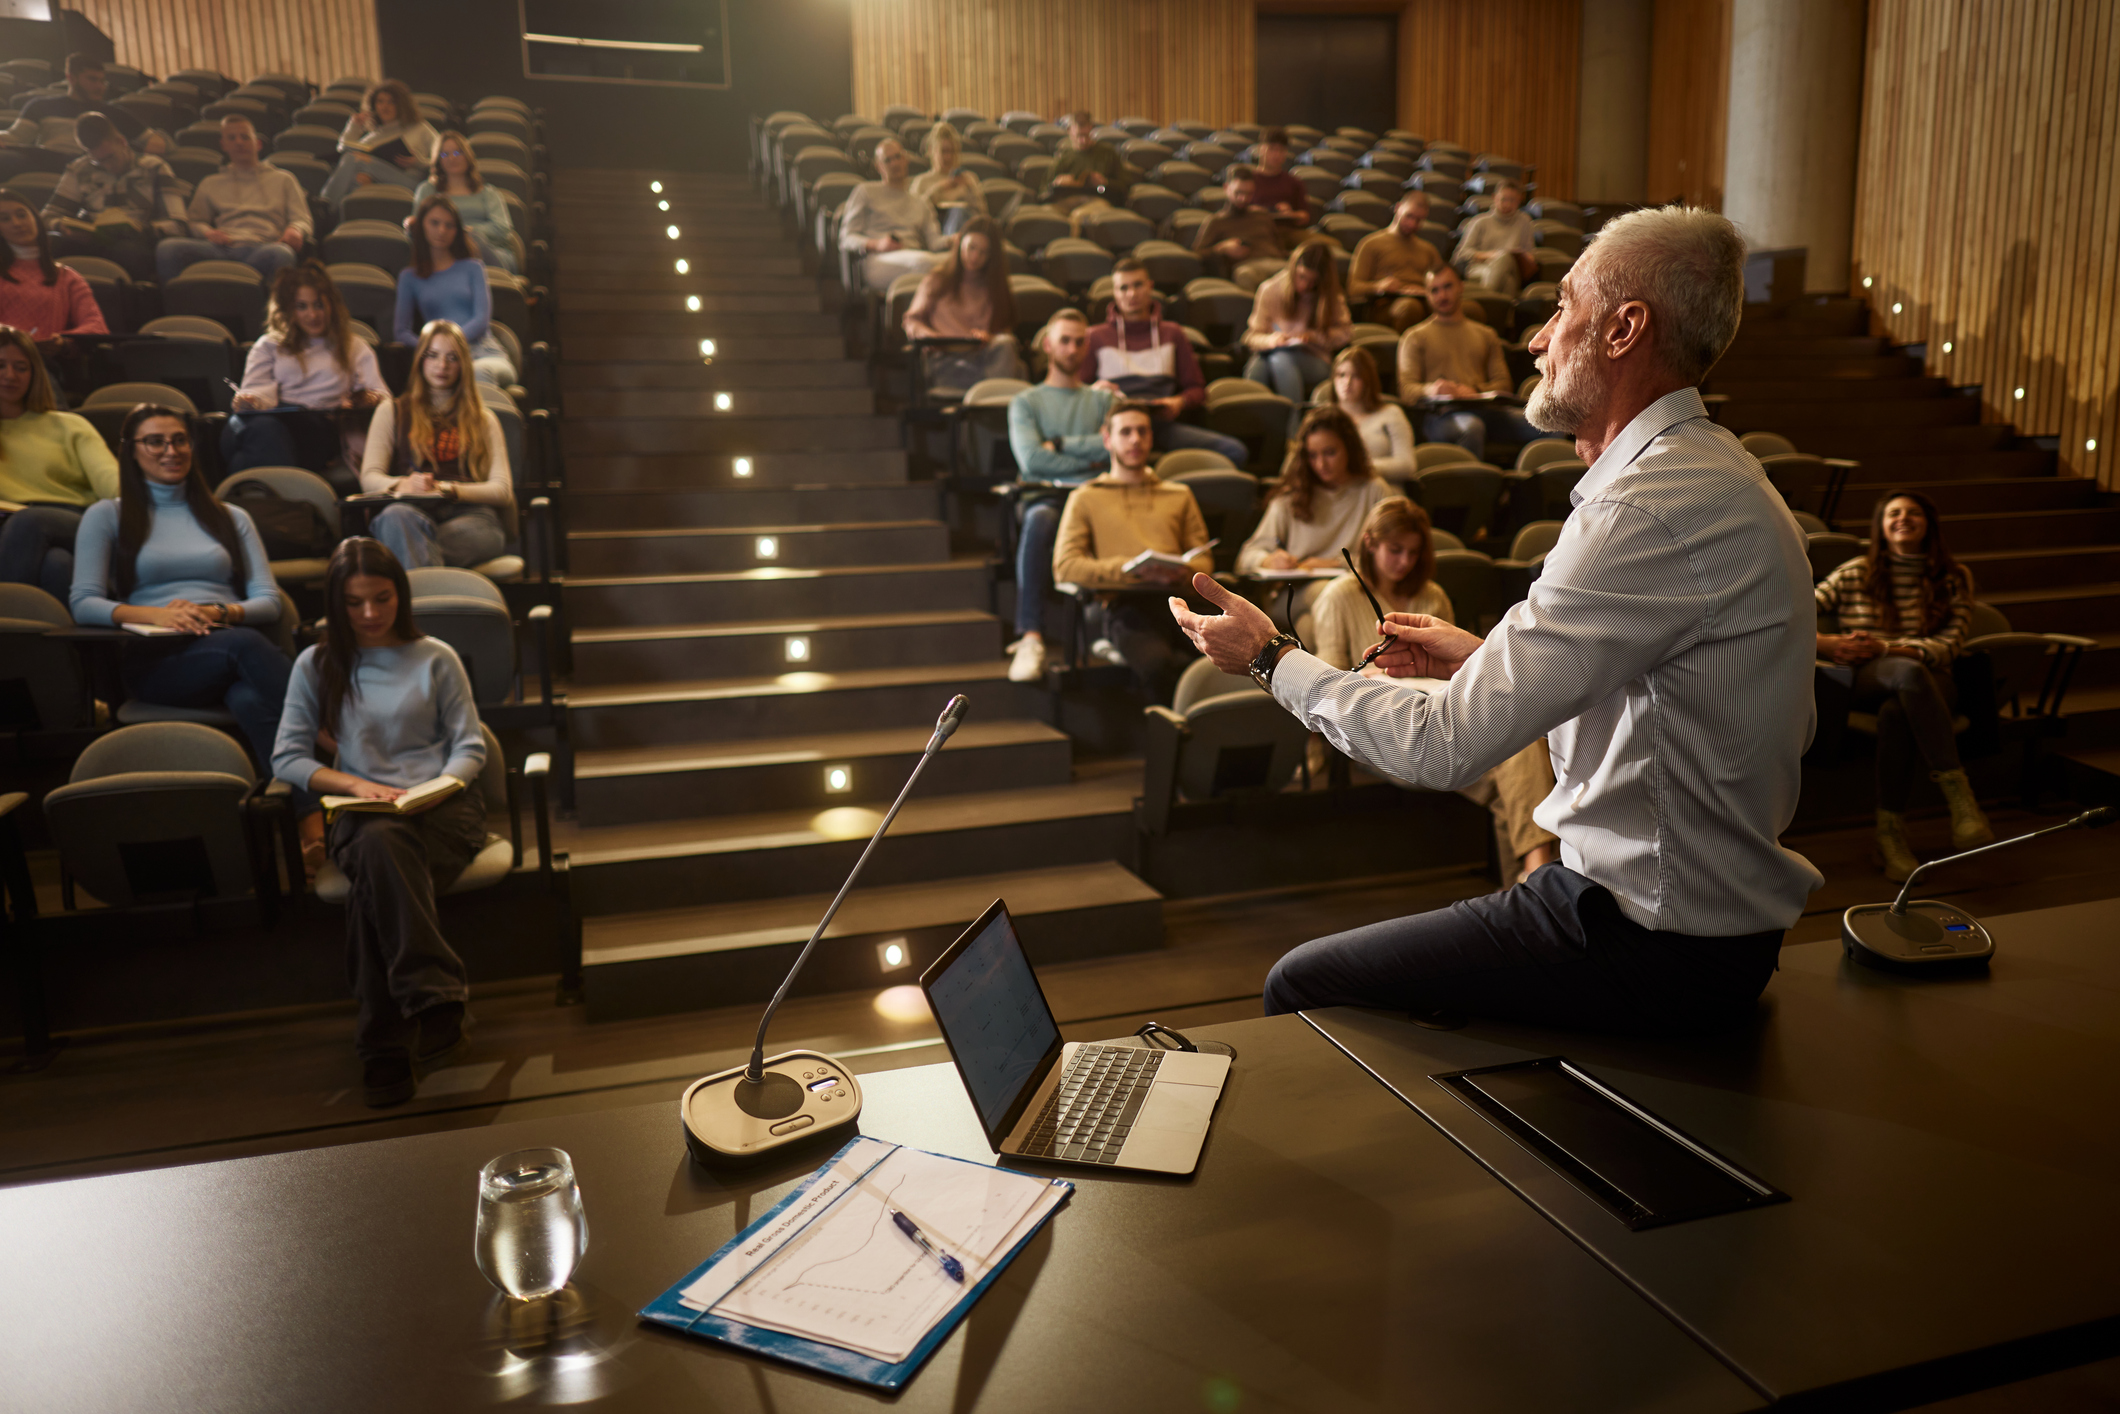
154, 814
1829, 550
1462, 499
466, 611
40, 677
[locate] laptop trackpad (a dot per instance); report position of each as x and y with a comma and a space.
1171, 1127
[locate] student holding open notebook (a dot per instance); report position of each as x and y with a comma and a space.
399, 707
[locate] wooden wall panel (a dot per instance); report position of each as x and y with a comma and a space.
1986, 206
1160, 59
319, 40
1495, 76
1689, 101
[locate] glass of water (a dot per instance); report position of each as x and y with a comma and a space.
531, 1229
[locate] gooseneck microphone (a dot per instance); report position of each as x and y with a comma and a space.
1924, 933
742, 1115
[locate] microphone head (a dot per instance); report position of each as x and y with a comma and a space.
2093, 819
951, 716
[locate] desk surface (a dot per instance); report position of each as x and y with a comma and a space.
1949, 1145
1334, 1252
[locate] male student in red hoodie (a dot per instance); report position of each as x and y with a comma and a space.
1139, 354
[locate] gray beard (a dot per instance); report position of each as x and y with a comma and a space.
1561, 402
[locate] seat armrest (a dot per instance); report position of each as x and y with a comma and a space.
541, 615
537, 769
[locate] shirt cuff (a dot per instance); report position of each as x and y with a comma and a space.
1297, 678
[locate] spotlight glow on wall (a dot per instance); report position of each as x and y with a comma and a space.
692, 303
838, 780
684, 267
741, 466
768, 548
1946, 345
1897, 306
721, 402
671, 232
798, 650
655, 187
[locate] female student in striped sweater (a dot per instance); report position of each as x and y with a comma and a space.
1904, 606
398, 707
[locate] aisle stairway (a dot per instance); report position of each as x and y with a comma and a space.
765, 618
2043, 547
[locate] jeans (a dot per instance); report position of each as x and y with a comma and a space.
134, 250
283, 437
1470, 428
268, 258
237, 668
456, 535
880, 267
1034, 563
1291, 372
1149, 639
1553, 951
490, 363
396, 956
340, 184
37, 547
1171, 434
1913, 707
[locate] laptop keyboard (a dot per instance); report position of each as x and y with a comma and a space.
1092, 1111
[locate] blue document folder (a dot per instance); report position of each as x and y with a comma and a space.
670, 1310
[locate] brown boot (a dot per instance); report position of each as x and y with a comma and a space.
1894, 856
1969, 827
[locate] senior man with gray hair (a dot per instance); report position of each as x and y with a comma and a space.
1665, 652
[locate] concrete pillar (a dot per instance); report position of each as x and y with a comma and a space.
1612, 124
1795, 119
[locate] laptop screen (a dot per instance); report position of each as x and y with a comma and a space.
990, 1008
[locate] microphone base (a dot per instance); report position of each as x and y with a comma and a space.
731, 1122
1930, 938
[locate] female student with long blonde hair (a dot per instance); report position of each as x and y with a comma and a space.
438, 438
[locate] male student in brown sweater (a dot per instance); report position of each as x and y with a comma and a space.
1244, 237
1447, 356
1391, 266
1110, 520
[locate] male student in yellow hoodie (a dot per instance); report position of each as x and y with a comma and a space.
1112, 519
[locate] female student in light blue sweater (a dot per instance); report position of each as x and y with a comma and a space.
483, 208
399, 709
166, 555
444, 282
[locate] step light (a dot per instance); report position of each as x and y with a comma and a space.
1866, 282
684, 267
655, 187
671, 232
838, 780
798, 649
2020, 395
1946, 345
692, 303
2090, 444
893, 954
721, 402
662, 206
768, 547
741, 466
706, 346
1897, 306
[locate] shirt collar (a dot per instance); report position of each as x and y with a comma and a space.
1649, 424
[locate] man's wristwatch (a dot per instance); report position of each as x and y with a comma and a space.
1262, 666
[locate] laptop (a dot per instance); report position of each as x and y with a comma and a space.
1122, 1107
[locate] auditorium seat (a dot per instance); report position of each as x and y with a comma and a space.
1221, 737
1228, 500
1463, 498
113, 288
377, 202
378, 243
289, 483
41, 683
467, 611
369, 291
1533, 455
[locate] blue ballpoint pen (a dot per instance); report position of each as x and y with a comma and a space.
951, 1267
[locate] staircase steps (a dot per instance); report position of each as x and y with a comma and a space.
729, 374
762, 593
688, 471
680, 709
727, 434
748, 506
736, 648
638, 403
722, 550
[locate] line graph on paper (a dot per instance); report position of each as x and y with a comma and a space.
852, 1278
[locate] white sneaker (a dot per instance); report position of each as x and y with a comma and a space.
1105, 649
1029, 663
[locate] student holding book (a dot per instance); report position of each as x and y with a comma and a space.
441, 445
386, 141
398, 706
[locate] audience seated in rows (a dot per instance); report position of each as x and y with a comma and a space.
247, 211
439, 439
1111, 520
1386, 434
308, 359
445, 282
87, 91
1396, 558
1086, 176
386, 141
1391, 266
38, 295
124, 201
1138, 354
1317, 508
53, 466
1448, 356
967, 297
1904, 607
953, 191
397, 708
1242, 240
481, 207
1298, 321
895, 230
1275, 187
1055, 432
1495, 249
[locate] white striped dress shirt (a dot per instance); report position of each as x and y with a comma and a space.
1666, 654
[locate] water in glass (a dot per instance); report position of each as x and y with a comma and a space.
531, 1229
